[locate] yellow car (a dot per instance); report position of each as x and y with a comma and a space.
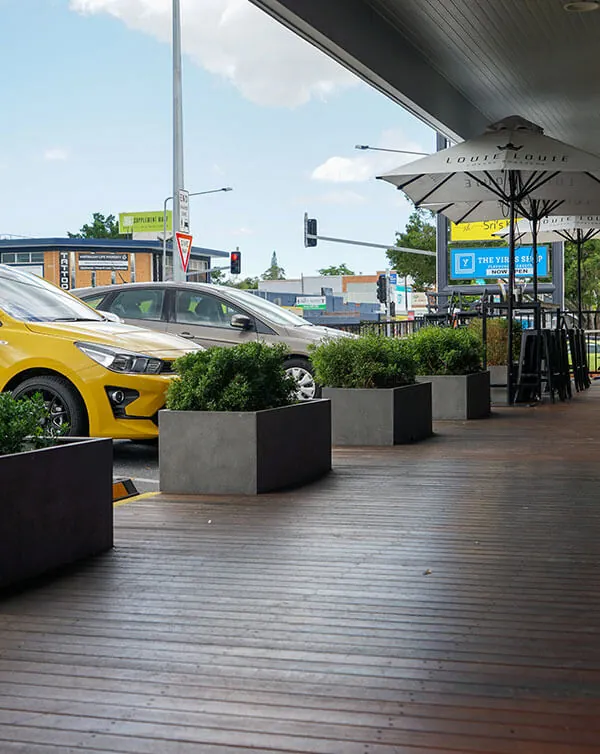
101, 378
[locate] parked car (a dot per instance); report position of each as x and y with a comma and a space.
214, 315
97, 376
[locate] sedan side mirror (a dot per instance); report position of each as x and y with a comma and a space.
242, 322
110, 316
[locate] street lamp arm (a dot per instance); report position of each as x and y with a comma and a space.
381, 149
166, 201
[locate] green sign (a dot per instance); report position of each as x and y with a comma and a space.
144, 222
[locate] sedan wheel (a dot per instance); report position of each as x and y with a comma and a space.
307, 387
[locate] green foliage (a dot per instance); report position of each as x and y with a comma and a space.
445, 350
419, 234
275, 272
372, 361
25, 424
497, 339
590, 275
248, 377
246, 284
101, 227
340, 269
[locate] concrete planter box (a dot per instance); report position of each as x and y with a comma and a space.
459, 397
230, 453
55, 507
380, 416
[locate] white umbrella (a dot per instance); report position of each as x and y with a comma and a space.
513, 162
577, 229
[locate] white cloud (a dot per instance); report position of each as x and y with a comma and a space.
367, 164
242, 232
269, 64
56, 155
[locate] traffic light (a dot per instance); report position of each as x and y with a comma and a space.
235, 262
382, 289
310, 229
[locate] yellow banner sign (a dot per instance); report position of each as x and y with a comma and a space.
482, 231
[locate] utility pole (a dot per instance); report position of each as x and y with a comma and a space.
178, 180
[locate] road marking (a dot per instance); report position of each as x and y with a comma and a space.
145, 481
143, 496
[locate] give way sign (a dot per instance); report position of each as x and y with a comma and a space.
184, 244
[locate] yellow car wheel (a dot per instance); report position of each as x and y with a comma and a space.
62, 401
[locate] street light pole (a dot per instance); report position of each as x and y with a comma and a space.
178, 180
165, 203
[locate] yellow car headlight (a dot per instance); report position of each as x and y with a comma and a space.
121, 361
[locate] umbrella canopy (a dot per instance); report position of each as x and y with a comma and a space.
512, 160
465, 212
577, 229
557, 228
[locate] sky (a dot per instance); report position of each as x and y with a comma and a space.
87, 127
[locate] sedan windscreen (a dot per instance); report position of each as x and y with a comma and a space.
28, 298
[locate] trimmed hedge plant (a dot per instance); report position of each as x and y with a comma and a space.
497, 339
445, 350
248, 377
25, 424
371, 361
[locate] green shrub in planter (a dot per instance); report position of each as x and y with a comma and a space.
446, 351
372, 361
248, 377
497, 339
25, 424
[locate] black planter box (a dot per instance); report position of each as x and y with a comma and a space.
384, 416
55, 507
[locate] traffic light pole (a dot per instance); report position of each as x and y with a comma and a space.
374, 245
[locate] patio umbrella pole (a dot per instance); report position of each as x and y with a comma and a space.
511, 288
579, 253
534, 232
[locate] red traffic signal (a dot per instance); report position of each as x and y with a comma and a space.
235, 262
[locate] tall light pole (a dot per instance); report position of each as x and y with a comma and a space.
178, 180
167, 200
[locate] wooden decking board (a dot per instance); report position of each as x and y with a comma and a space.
305, 622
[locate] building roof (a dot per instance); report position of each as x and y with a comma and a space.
95, 244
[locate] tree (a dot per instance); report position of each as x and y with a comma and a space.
101, 227
246, 284
218, 277
275, 272
418, 234
341, 269
590, 275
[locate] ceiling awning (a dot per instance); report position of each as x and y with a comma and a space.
460, 64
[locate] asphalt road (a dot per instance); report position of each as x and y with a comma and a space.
138, 462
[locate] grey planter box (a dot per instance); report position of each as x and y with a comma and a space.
55, 509
380, 416
459, 397
230, 453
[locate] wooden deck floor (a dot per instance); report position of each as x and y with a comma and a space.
443, 597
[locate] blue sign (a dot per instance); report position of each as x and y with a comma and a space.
466, 264
393, 278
